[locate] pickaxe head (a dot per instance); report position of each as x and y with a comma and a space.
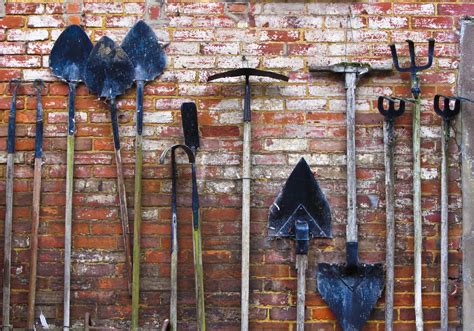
247, 72
391, 113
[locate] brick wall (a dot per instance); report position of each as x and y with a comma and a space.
304, 117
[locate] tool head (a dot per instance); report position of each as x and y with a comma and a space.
145, 52
109, 71
446, 112
247, 72
69, 54
301, 199
189, 120
391, 113
351, 293
413, 68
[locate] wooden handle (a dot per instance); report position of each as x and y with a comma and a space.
388, 136
246, 160
301, 266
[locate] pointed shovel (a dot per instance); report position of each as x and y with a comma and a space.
67, 61
108, 73
149, 60
301, 212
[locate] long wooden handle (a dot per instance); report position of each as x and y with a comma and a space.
444, 227
246, 162
417, 215
388, 137
350, 85
34, 242
8, 241
197, 253
301, 266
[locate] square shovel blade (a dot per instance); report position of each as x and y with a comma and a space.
301, 198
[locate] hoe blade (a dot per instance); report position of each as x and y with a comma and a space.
69, 54
301, 198
109, 71
351, 292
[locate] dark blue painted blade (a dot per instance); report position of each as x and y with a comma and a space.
189, 120
351, 293
301, 198
69, 54
145, 52
109, 71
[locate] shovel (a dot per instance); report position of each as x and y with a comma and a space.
67, 61
191, 139
447, 114
36, 204
388, 138
108, 73
246, 176
413, 69
300, 212
174, 230
350, 290
148, 59
7, 253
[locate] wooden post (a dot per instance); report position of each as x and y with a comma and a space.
246, 175
388, 136
301, 266
444, 226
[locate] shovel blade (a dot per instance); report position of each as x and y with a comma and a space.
69, 54
109, 71
301, 198
145, 52
351, 292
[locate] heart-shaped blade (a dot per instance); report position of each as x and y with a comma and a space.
69, 54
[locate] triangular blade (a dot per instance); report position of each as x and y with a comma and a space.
351, 293
189, 120
69, 54
300, 198
109, 71
145, 52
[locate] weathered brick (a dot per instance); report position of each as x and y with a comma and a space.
413, 9
461, 9
45, 21
103, 8
293, 63
20, 61
279, 35
193, 35
12, 48
10, 22
220, 48
324, 35
388, 22
432, 22
27, 35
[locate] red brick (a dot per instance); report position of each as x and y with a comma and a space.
461, 9
432, 22
9, 22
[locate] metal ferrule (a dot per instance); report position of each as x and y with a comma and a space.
140, 85
302, 237
71, 128
247, 111
115, 128
352, 250
12, 118
39, 120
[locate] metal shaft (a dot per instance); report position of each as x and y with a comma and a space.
174, 247
388, 136
444, 226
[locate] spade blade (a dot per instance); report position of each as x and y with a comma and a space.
145, 52
109, 71
301, 198
69, 54
351, 292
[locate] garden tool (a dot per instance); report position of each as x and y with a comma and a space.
447, 114
39, 85
350, 290
67, 61
413, 69
148, 58
174, 229
108, 73
389, 139
300, 212
246, 176
191, 139
7, 252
